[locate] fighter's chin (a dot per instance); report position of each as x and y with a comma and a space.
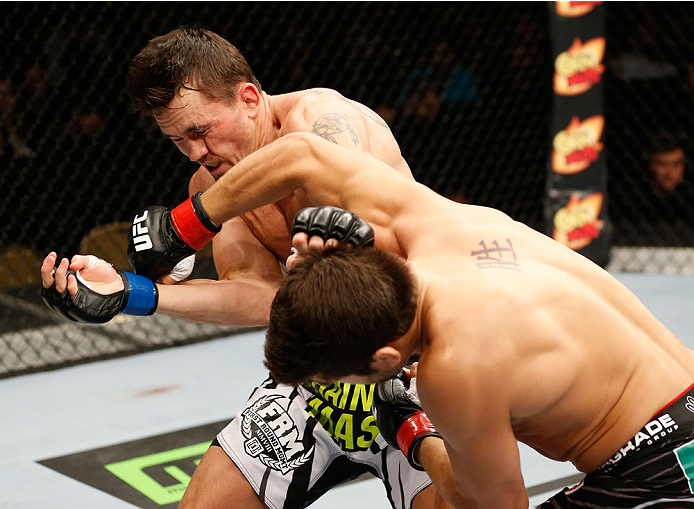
220, 171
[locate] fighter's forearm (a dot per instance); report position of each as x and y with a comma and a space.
241, 303
263, 177
488, 490
330, 175
431, 453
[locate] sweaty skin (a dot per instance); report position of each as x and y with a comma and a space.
250, 250
521, 338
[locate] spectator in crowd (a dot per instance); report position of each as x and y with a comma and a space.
666, 162
668, 204
654, 205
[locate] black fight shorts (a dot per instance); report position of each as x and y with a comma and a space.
654, 470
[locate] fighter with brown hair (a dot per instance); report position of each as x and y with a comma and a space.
287, 447
520, 337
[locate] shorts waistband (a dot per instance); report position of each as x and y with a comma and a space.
673, 423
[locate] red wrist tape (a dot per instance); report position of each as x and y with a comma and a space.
189, 227
416, 426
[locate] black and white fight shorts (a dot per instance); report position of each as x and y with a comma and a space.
653, 470
294, 444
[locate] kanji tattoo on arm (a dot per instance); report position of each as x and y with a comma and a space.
497, 256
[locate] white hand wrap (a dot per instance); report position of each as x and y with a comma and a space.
183, 269
93, 260
295, 252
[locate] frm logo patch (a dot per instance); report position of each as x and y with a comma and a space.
272, 436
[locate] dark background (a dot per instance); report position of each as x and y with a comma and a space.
465, 87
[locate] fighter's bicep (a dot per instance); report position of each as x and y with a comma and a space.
239, 254
479, 439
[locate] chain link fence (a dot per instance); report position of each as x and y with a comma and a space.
465, 87
648, 126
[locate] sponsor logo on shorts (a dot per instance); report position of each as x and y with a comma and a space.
689, 405
344, 411
272, 436
655, 430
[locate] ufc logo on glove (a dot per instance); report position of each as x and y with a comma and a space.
141, 239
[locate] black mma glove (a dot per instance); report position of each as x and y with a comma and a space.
160, 238
400, 419
333, 223
138, 297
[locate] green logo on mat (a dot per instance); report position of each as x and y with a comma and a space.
138, 472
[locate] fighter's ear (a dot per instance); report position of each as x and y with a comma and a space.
250, 96
386, 358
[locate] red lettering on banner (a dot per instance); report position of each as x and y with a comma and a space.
576, 3
575, 8
588, 231
588, 76
588, 154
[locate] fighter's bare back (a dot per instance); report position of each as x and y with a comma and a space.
587, 391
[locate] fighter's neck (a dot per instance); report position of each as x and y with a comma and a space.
412, 342
270, 120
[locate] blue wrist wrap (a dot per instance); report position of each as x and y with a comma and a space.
142, 297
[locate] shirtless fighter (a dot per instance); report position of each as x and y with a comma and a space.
520, 337
206, 99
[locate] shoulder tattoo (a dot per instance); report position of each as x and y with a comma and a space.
331, 125
496, 256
